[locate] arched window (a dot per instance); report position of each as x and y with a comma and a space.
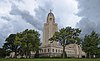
50, 18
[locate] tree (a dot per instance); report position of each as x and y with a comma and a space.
30, 41
2, 53
66, 36
17, 43
91, 43
9, 44
23, 43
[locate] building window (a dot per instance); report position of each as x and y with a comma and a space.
48, 50
44, 50
68, 52
61, 50
50, 18
52, 50
56, 50
39, 51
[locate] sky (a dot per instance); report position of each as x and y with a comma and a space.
18, 15
89, 11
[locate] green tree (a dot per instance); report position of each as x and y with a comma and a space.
18, 42
2, 53
91, 43
30, 42
66, 36
9, 44
23, 43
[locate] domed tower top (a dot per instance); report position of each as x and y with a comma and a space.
50, 17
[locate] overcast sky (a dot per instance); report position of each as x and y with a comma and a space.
18, 15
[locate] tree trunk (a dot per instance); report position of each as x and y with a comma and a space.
29, 54
63, 51
15, 54
89, 55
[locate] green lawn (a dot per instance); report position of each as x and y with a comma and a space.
49, 59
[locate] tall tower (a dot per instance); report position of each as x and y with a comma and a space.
50, 27
54, 49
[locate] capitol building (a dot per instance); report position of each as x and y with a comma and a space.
55, 49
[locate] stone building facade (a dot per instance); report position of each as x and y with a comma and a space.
54, 49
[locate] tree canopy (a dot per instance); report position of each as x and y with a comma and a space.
91, 44
23, 43
66, 36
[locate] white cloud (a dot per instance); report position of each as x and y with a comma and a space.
4, 7
90, 13
66, 10
18, 15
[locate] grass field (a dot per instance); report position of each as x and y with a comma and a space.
50, 59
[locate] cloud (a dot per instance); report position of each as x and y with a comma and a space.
89, 10
86, 26
17, 19
18, 15
25, 15
65, 12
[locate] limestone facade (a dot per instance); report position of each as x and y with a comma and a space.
54, 49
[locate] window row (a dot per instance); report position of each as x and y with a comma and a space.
53, 51
49, 50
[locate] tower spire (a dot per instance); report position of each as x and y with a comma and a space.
50, 17
50, 10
